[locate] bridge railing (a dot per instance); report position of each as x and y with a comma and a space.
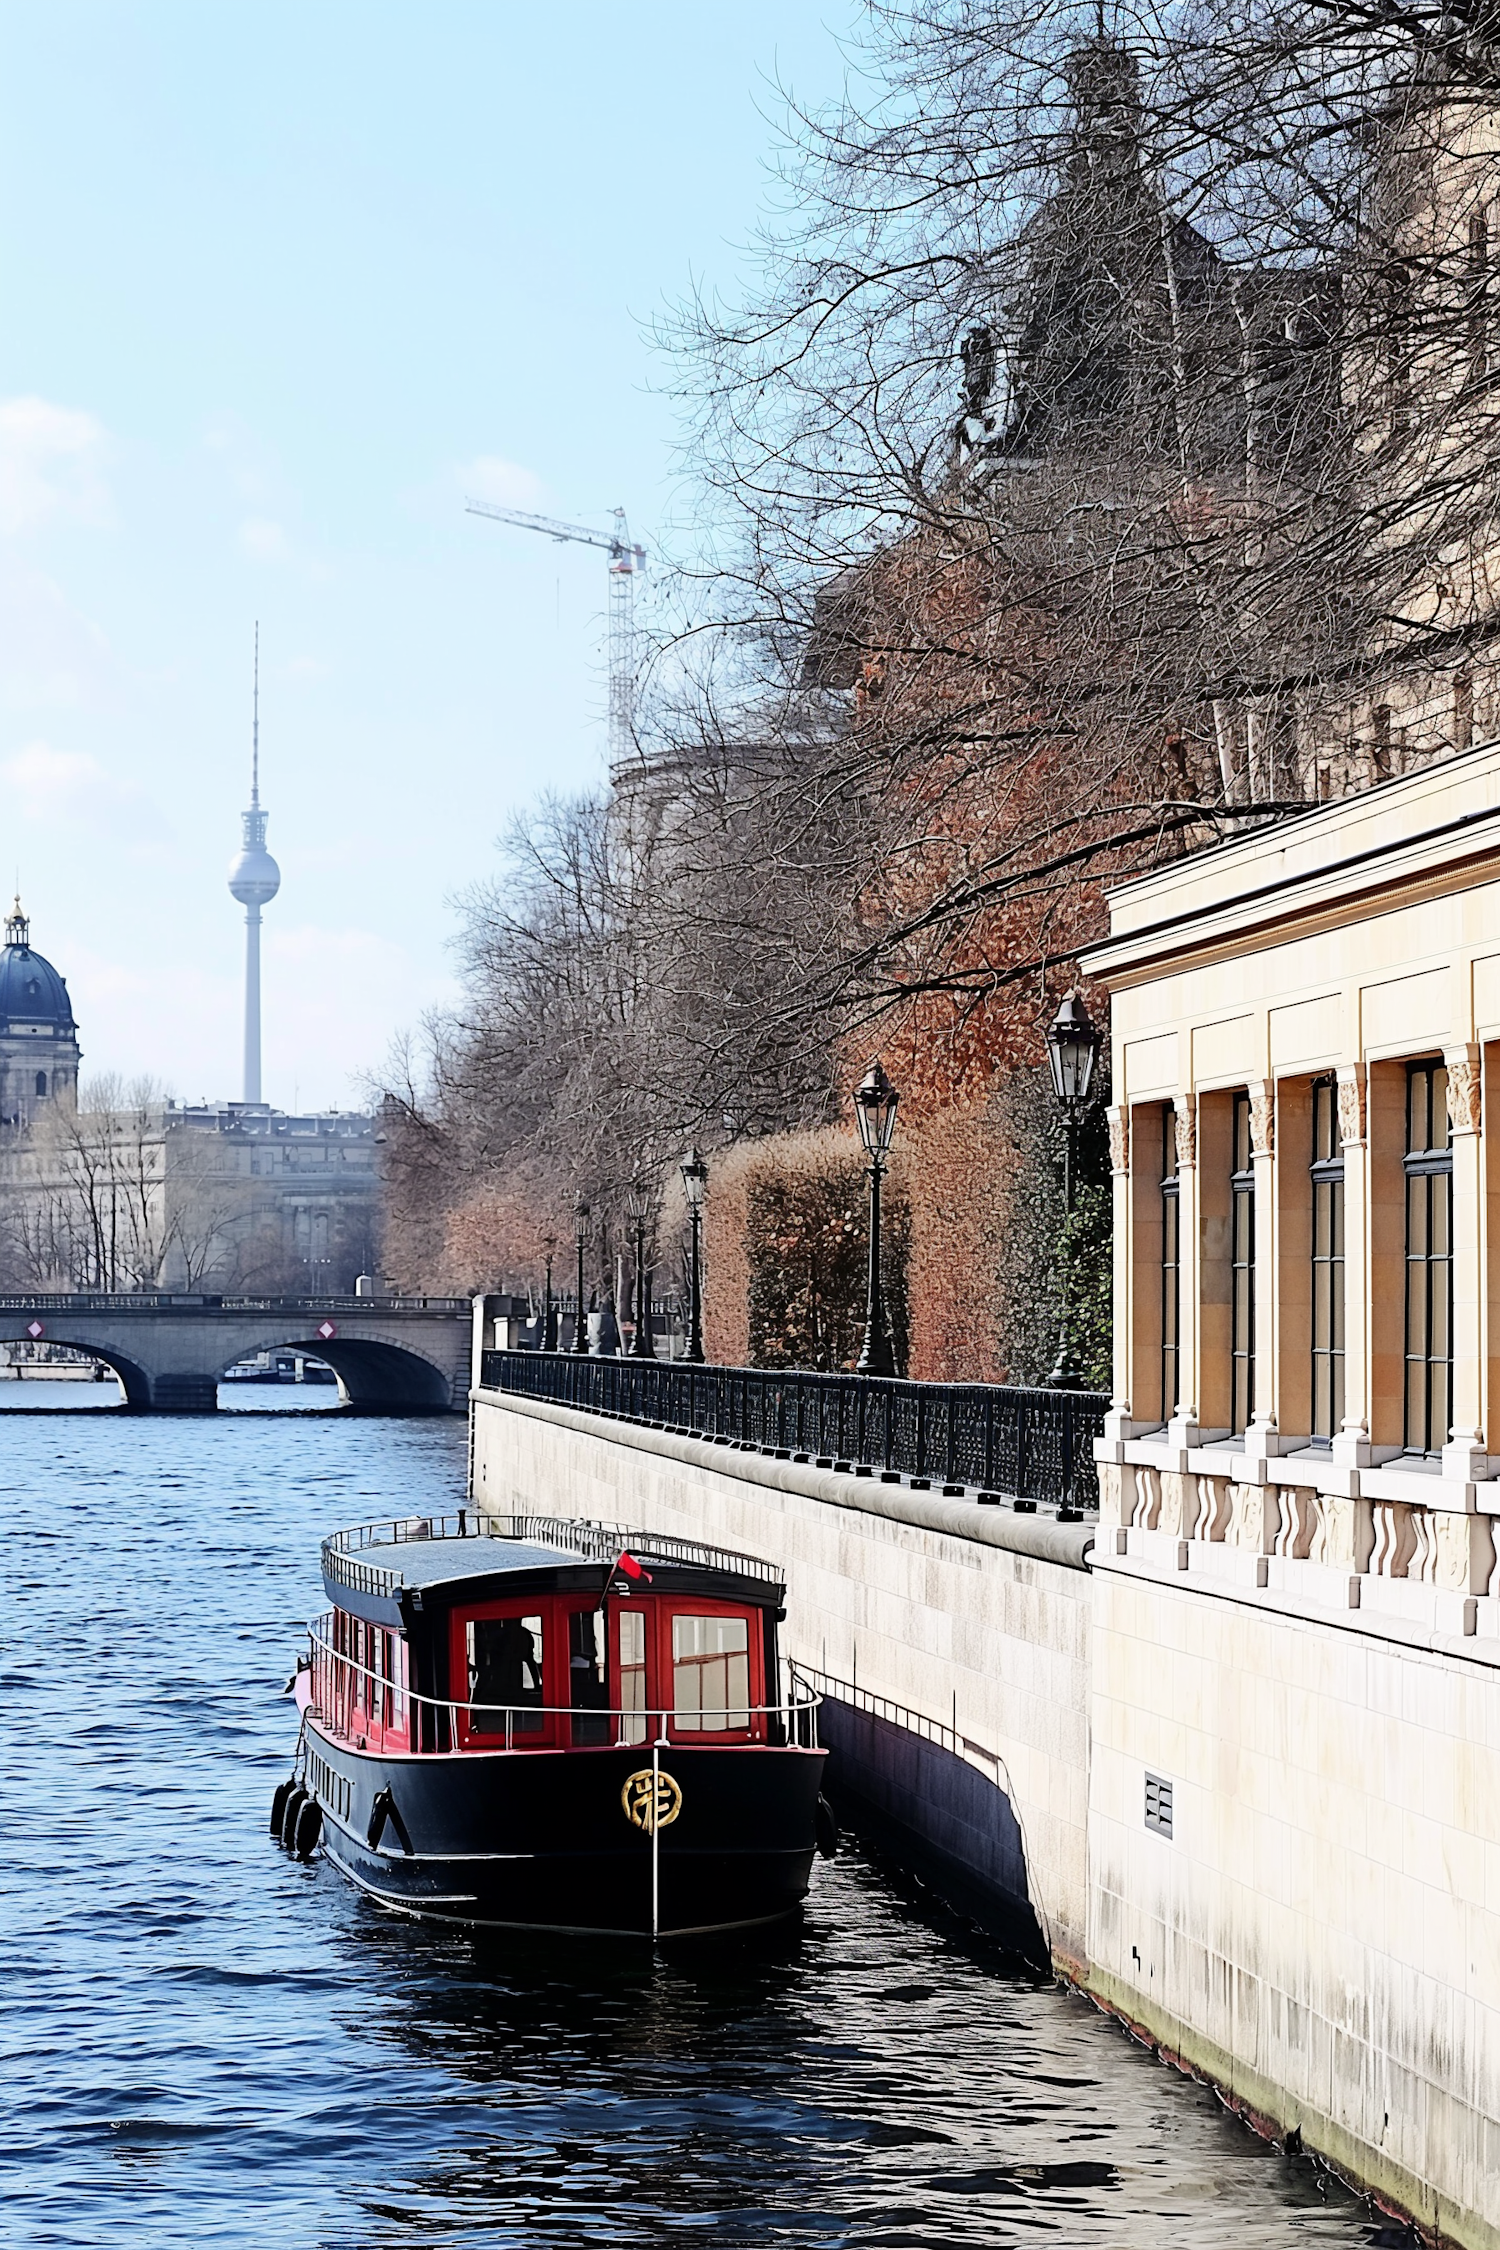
160, 1300
990, 1438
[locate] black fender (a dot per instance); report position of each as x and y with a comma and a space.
309, 1828
290, 1811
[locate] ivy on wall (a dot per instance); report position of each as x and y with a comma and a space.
1043, 1248
807, 1244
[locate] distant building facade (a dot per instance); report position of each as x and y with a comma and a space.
39, 1053
131, 1192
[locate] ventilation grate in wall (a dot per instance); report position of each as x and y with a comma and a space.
1158, 1804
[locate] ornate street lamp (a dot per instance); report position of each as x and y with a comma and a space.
1072, 1050
875, 1100
640, 1202
694, 1180
549, 1309
582, 1229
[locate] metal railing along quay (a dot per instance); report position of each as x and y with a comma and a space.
995, 1439
164, 1301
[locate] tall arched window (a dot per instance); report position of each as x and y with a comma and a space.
41, 1082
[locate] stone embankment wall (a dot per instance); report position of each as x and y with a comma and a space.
1318, 1933
974, 1618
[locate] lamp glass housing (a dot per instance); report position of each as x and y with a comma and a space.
639, 1202
1072, 1046
694, 1178
875, 1100
582, 1221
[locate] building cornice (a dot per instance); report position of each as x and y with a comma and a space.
1397, 869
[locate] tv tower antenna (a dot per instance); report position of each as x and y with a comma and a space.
625, 560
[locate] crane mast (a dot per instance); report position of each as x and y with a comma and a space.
625, 560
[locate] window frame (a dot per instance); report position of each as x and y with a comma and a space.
1428, 1182
549, 1735
1327, 1347
556, 1731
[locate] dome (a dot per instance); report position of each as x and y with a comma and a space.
31, 991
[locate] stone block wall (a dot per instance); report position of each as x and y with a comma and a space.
1320, 1931
932, 1603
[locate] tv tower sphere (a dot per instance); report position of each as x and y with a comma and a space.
254, 877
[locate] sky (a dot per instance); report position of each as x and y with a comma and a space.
284, 284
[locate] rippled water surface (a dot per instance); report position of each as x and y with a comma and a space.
205, 2043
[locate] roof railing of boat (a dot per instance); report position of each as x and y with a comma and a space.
336, 1697
346, 1553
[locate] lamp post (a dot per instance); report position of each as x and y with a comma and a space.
641, 1205
1072, 1049
875, 1100
582, 1228
549, 1314
694, 1180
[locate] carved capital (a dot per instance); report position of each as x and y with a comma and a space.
1262, 1120
1464, 1099
1119, 1140
1187, 1132
1351, 1109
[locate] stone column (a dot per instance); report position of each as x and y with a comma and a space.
1465, 1453
1182, 1429
1351, 1444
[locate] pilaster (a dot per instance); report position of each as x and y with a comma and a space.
1351, 1444
1261, 1439
1182, 1428
1465, 1453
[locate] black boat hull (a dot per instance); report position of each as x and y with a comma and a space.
545, 1839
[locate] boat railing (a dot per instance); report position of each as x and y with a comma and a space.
347, 1560
354, 1700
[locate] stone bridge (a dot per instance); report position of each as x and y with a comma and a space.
404, 1355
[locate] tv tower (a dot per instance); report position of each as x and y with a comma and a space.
254, 879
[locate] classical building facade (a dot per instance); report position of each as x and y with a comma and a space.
127, 1193
1294, 1834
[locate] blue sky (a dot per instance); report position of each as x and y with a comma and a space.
282, 283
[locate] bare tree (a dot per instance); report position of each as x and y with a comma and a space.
1102, 458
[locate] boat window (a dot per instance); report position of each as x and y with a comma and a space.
505, 1674
632, 1675
710, 1673
586, 1689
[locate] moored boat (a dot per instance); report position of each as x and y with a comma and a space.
529, 1722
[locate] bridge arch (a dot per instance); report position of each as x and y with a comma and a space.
374, 1375
134, 1380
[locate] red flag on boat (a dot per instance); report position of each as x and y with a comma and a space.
625, 1566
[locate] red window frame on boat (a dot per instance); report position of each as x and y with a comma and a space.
372, 1707
565, 1724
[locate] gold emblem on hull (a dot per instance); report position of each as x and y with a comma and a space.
652, 1800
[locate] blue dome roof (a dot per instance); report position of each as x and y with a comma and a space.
31, 991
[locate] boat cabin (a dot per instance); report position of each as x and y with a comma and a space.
451, 1635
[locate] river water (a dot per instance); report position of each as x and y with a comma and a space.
203, 2043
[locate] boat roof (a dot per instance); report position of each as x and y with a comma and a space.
388, 1573
439, 1562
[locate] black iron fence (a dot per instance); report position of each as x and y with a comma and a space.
985, 1437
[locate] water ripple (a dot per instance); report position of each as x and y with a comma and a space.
204, 2043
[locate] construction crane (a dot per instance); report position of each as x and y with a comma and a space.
624, 561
